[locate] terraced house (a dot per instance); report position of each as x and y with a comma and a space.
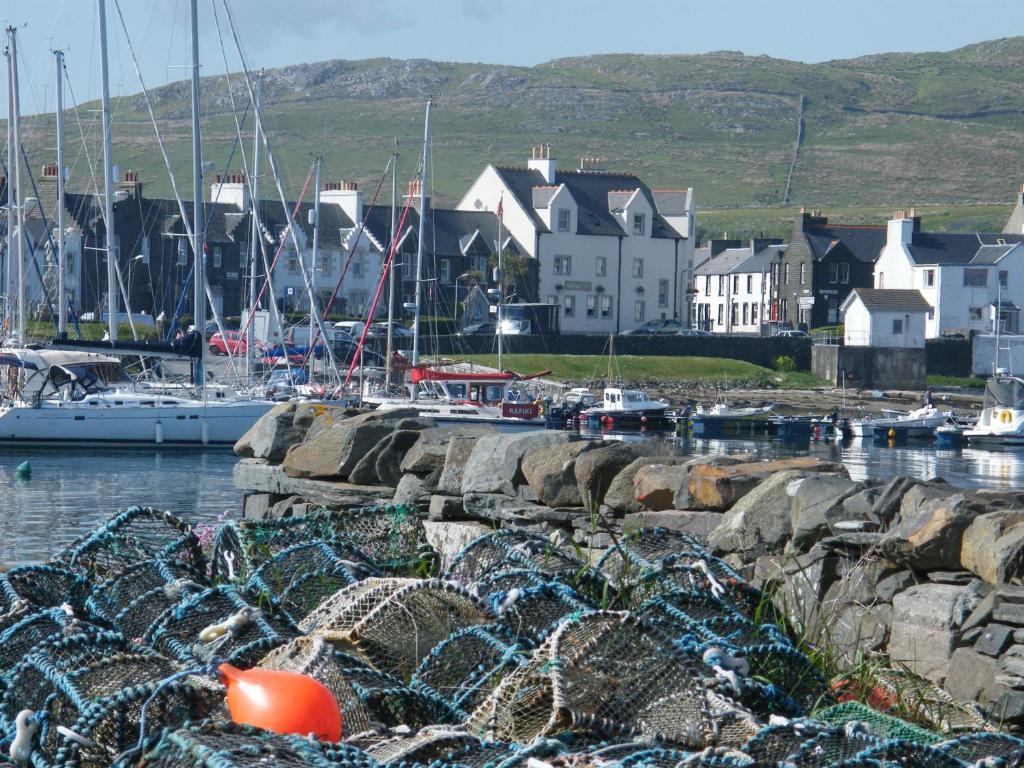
610, 251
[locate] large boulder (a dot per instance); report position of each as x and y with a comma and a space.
993, 546
389, 458
450, 538
926, 626
412, 490
927, 536
550, 472
365, 470
274, 432
759, 523
718, 487
429, 452
656, 486
696, 522
816, 505
797, 585
494, 465
455, 458
620, 494
596, 469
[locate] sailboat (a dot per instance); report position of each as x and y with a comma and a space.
61, 396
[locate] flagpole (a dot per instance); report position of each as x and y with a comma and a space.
501, 285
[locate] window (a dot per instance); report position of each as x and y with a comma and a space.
638, 267
1003, 277
243, 255
601, 266
638, 311
833, 273
721, 285
563, 265
746, 310
753, 314
570, 305
735, 283
844, 273
326, 263
734, 313
897, 326
803, 273
564, 218
639, 223
445, 270
606, 305
975, 277
750, 283
293, 263
479, 264
785, 309
785, 274
881, 279
663, 293
833, 309
357, 266
144, 250
218, 256
929, 278
707, 284
591, 305
552, 299
721, 314
974, 314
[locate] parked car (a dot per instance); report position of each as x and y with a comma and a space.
654, 327
487, 326
352, 328
693, 332
234, 341
381, 330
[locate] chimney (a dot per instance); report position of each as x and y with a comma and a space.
413, 195
588, 163
723, 244
901, 228
130, 183
345, 194
811, 219
541, 160
230, 189
50, 172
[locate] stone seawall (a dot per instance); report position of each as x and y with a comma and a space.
916, 573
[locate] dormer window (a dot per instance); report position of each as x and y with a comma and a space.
639, 223
564, 219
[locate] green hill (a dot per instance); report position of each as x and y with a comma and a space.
893, 130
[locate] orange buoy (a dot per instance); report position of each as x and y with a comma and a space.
282, 702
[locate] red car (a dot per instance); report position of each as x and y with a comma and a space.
233, 340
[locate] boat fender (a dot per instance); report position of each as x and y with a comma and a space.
230, 626
542, 406
26, 728
1005, 417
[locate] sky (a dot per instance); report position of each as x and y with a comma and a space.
515, 32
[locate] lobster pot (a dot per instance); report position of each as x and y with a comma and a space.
790, 672
41, 586
395, 623
603, 672
645, 549
636, 755
299, 578
23, 636
464, 669
137, 534
530, 614
902, 753
711, 577
437, 746
317, 658
135, 599
508, 548
252, 632
392, 703
705, 621
499, 582
927, 704
976, 747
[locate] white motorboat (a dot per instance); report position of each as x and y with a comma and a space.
626, 408
1002, 414
725, 412
59, 397
920, 423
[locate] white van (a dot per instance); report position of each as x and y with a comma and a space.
351, 328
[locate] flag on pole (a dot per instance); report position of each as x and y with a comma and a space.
501, 210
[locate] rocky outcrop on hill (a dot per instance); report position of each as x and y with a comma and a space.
919, 572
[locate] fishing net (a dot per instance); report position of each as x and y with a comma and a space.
134, 600
23, 636
976, 747
41, 586
466, 667
299, 578
212, 744
791, 674
903, 753
139, 533
317, 658
391, 538
396, 622
605, 672
394, 704
219, 622
437, 745
531, 613
705, 575
884, 726
645, 549
920, 701
501, 581
509, 548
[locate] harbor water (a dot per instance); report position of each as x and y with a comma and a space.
71, 490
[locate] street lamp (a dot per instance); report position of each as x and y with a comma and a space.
463, 276
131, 266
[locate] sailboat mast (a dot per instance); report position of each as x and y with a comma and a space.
62, 302
15, 160
391, 271
312, 266
424, 177
501, 290
108, 178
254, 238
198, 213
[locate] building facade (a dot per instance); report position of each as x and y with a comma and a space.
875, 317
732, 289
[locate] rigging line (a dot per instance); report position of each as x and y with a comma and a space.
274, 172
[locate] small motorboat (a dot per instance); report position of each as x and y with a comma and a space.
1001, 422
921, 423
625, 409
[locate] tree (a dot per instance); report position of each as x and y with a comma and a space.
516, 270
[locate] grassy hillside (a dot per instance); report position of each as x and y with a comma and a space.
894, 130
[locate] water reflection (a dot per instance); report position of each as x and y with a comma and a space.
71, 491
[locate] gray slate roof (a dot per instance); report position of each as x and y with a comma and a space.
952, 248
733, 261
890, 299
860, 243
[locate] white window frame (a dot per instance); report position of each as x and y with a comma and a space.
638, 268
639, 310
564, 219
663, 291
569, 305
605, 304
563, 265
639, 223
601, 266
591, 305
218, 256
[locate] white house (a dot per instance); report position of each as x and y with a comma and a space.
970, 281
875, 317
732, 289
610, 251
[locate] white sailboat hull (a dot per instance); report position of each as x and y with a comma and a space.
57, 423
920, 423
